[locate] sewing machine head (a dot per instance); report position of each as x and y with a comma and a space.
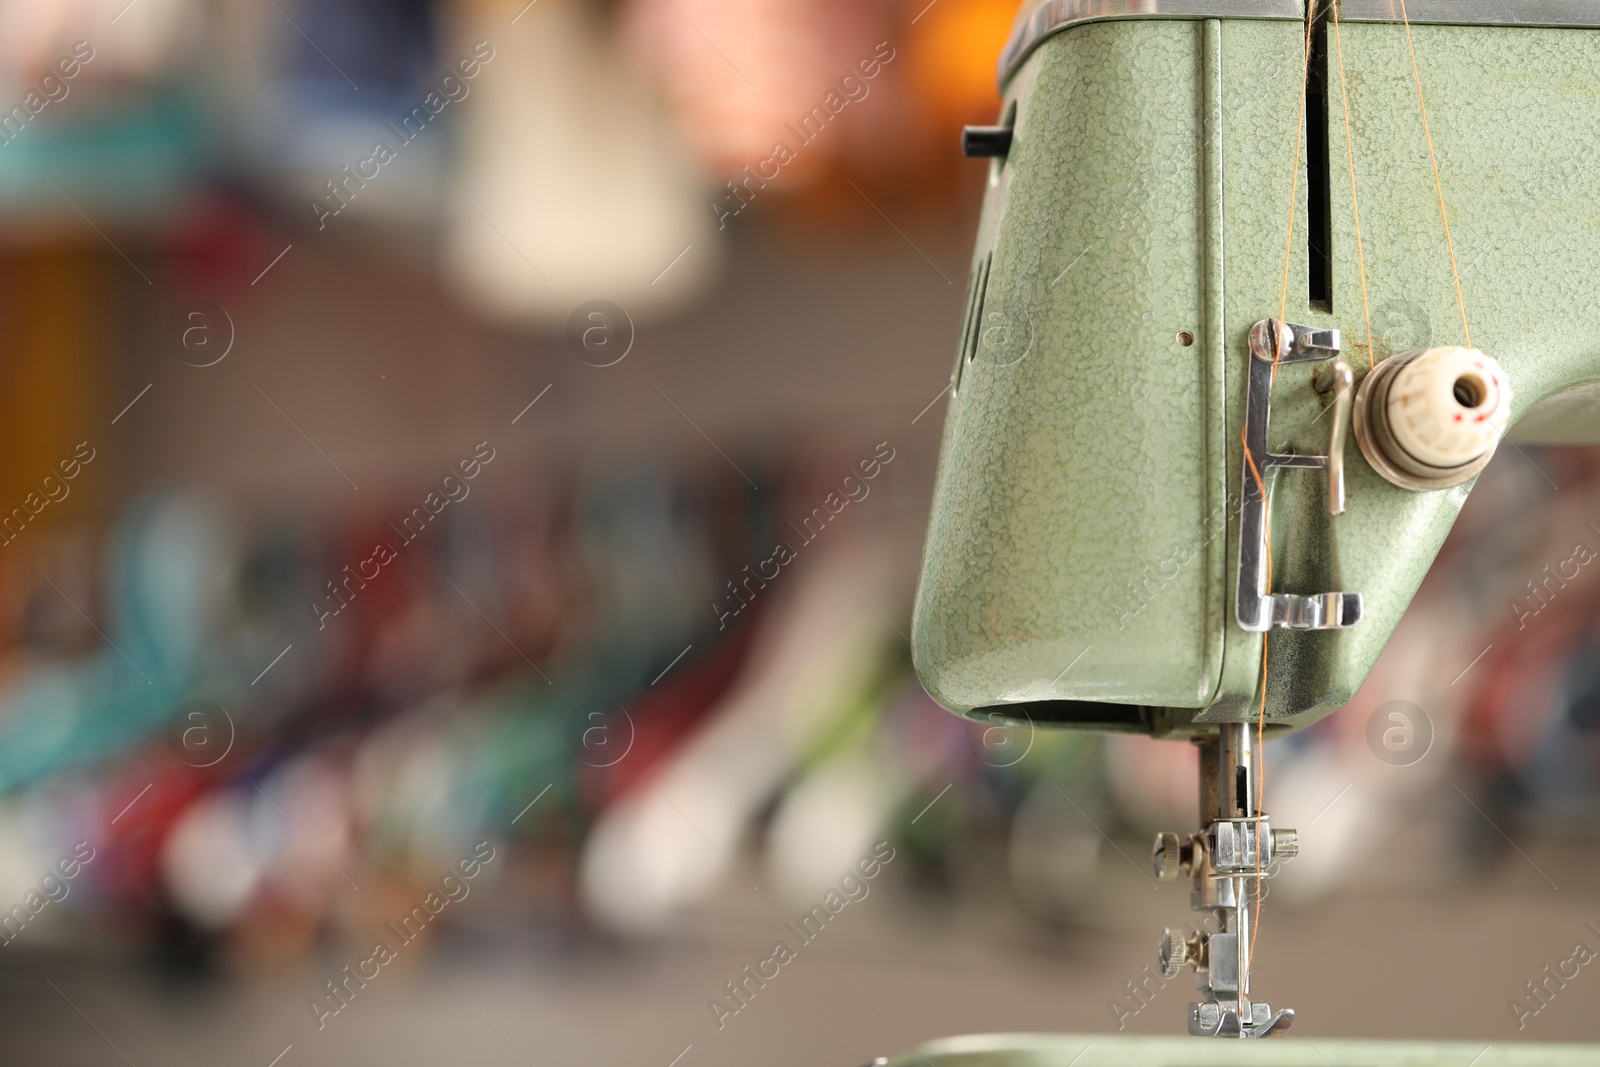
1226, 373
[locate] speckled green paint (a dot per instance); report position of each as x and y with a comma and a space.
1140, 200
1069, 471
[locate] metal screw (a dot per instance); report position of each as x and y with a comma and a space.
1173, 953
1271, 339
1285, 844
1166, 856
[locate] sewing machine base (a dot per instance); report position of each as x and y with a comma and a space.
1115, 1050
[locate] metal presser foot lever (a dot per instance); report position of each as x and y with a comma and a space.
1221, 862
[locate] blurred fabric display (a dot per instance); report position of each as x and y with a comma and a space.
278, 708
614, 722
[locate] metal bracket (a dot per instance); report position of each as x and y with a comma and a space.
1273, 342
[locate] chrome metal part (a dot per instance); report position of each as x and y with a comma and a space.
1337, 378
1166, 856
1039, 21
1210, 1020
1273, 344
1173, 954
1223, 866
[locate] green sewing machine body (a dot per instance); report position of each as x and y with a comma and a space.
1083, 550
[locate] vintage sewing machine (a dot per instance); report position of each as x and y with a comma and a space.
1176, 482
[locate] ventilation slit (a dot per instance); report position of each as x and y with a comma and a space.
1319, 172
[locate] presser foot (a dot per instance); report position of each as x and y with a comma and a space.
1210, 1019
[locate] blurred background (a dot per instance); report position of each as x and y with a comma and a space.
465, 465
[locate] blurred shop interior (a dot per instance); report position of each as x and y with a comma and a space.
337, 554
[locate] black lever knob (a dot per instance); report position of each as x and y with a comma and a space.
980, 142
